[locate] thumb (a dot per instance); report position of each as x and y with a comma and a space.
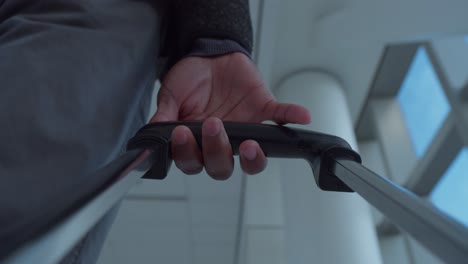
167, 109
288, 113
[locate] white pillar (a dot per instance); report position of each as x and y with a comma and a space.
323, 227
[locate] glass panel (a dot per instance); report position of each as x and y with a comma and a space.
451, 192
422, 102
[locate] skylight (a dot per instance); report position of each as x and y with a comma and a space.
422, 102
451, 192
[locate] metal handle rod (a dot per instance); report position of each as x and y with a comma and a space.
51, 247
442, 235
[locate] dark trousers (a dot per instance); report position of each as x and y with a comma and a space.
76, 78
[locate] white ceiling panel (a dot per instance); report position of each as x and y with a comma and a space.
209, 254
265, 246
215, 235
203, 187
214, 213
148, 231
263, 201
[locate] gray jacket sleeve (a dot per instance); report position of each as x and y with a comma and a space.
190, 23
209, 47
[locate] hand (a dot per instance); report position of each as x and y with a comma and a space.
228, 88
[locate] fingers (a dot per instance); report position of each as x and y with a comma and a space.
185, 151
216, 154
252, 158
288, 113
217, 151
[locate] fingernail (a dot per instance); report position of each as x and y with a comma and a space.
250, 153
213, 127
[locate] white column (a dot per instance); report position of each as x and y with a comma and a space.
323, 227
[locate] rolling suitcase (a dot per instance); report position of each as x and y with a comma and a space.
35, 230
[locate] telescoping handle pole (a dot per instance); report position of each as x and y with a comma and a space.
442, 235
336, 167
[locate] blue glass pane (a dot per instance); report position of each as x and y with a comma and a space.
422, 102
451, 192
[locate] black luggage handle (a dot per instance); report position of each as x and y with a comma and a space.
336, 167
319, 149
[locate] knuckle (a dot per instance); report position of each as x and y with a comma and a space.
220, 174
189, 167
253, 168
193, 171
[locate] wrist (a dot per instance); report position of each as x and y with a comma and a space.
209, 47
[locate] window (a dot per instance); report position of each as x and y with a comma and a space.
422, 102
451, 192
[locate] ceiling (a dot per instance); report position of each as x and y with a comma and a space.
347, 37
